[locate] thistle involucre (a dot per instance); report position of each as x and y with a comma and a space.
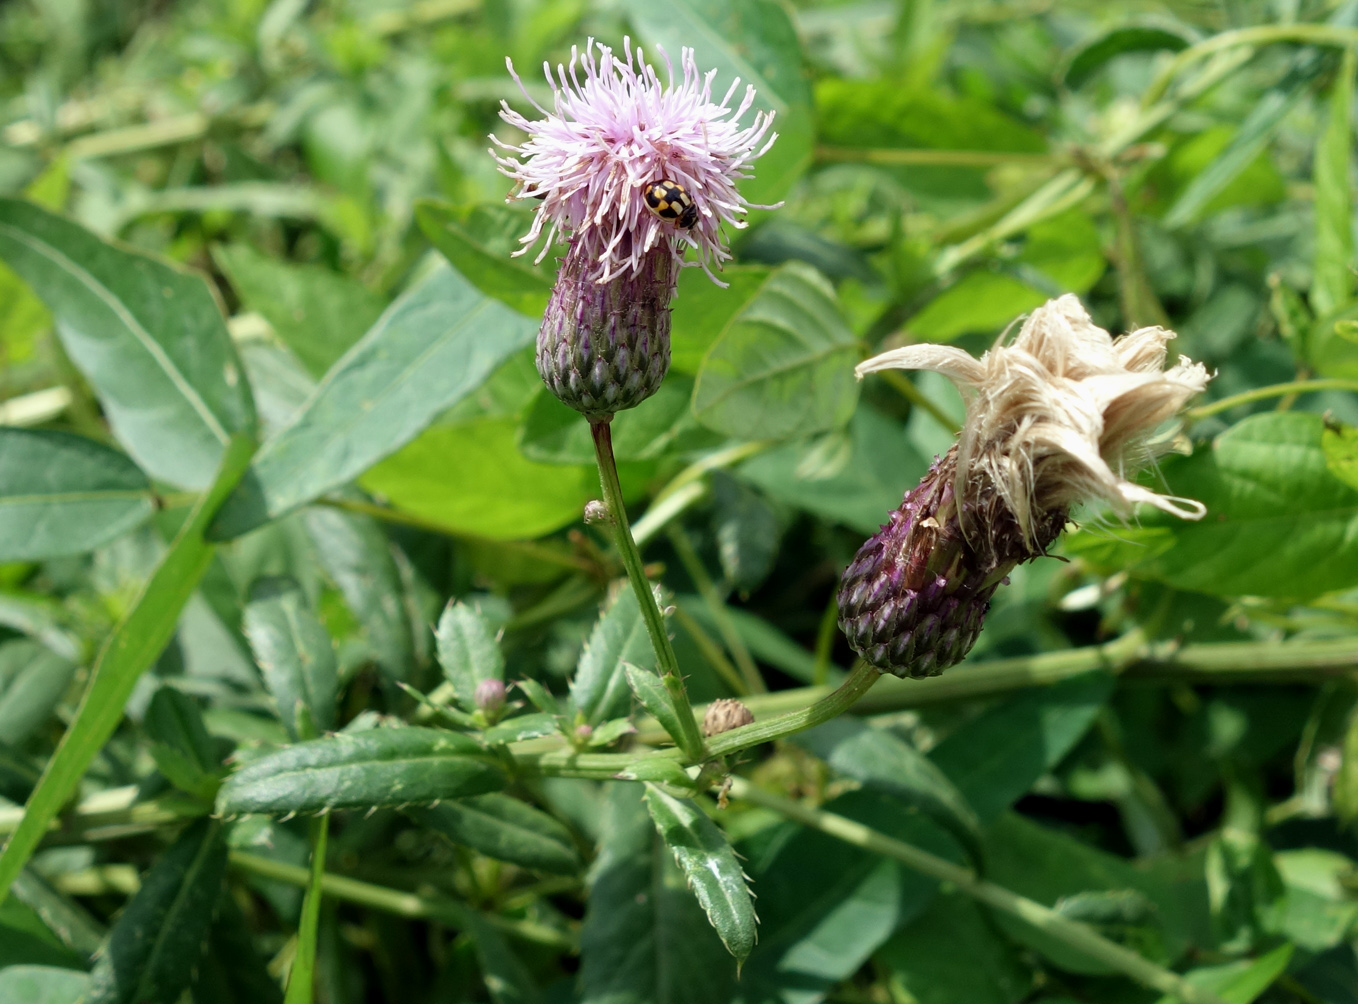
614, 132
1062, 414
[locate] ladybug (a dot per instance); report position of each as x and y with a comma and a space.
670, 201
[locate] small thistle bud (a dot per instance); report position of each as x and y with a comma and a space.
1062, 414
725, 714
605, 347
597, 512
489, 697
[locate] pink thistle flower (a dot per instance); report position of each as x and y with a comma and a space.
615, 130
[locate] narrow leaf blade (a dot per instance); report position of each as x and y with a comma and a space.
295, 654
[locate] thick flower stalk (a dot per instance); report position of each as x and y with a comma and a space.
632, 173
1063, 414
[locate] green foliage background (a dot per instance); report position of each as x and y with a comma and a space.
279, 487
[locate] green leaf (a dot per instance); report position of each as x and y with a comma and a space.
231, 970
881, 760
1091, 55
294, 652
756, 41
155, 946
134, 644
702, 311
180, 744
379, 767
42, 985
556, 434
506, 829
599, 687
26, 938
950, 953
1264, 479
1240, 982
506, 976
317, 313
645, 937
468, 651
784, 367
1332, 273
432, 347
70, 922
148, 337
302, 975
703, 853
355, 553
62, 494
478, 240
653, 696
491, 490
33, 679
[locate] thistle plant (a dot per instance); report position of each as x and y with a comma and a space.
1062, 414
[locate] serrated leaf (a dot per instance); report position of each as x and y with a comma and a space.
295, 654
33, 679
599, 688
379, 767
784, 367
610, 732
529, 726
155, 946
180, 744
147, 335
467, 651
479, 240
62, 494
651, 693
431, 348
506, 829
706, 858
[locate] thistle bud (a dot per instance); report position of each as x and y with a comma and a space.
725, 714
1063, 414
489, 697
604, 347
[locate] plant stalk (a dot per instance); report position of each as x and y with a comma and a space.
690, 740
1073, 933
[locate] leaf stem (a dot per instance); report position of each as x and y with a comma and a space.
1264, 393
1073, 933
691, 740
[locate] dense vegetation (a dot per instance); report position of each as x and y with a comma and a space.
283, 500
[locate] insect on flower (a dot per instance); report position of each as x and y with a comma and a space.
670, 201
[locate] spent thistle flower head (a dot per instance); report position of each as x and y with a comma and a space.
1062, 414
631, 172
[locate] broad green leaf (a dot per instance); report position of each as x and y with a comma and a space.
701, 849
317, 313
1264, 479
506, 829
1091, 55
148, 337
135, 643
599, 687
302, 975
25, 938
42, 985
702, 310
294, 652
155, 946
62, 494
379, 767
1318, 912
1240, 982
33, 679
879, 759
467, 651
431, 348
754, 40
645, 938
653, 696
1340, 446
472, 479
556, 434
232, 970
748, 532
951, 953
479, 240
1332, 273
180, 744
355, 553
784, 367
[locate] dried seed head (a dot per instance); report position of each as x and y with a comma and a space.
725, 714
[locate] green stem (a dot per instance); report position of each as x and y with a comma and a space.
707, 589
1073, 933
1264, 393
415, 906
907, 389
691, 740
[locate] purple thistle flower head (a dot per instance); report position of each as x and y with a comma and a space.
614, 131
